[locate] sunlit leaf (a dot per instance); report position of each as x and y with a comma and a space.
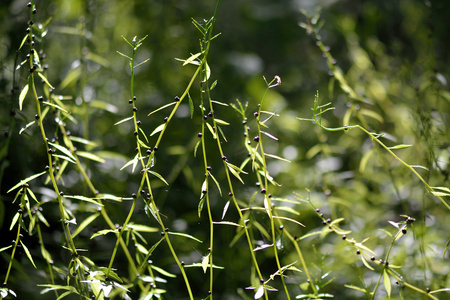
22, 182
205, 262
387, 283
85, 223
158, 129
185, 235
27, 252
159, 176
91, 156
123, 120
22, 96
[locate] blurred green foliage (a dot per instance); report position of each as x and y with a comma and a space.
394, 55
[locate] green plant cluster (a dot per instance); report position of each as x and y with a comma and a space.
144, 157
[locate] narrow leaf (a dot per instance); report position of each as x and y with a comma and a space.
269, 135
45, 80
27, 252
211, 130
387, 283
162, 107
159, 176
62, 149
141, 228
225, 208
22, 96
26, 180
402, 146
218, 102
368, 266
191, 105
158, 129
103, 232
90, 156
228, 223
123, 120
205, 262
26, 127
191, 59
277, 157
126, 56
216, 182
221, 122
185, 235
85, 223
163, 272
83, 198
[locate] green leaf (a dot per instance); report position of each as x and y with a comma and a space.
366, 263
205, 262
276, 157
365, 160
196, 147
109, 197
162, 107
58, 107
227, 223
22, 96
62, 149
90, 156
85, 223
133, 161
159, 176
402, 146
216, 182
14, 221
27, 253
23, 42
141, 248
83, 198
355, 288
22, 182
110, 273
123, 120
440, 194
200, 206
5, 248
191, 60
310, 234
124, 55
221, 122
158, 129
235, 171
26, 127
191, 105
213, 85
46, 255
64, 158
211, 130
387, 283
289, 219
220, 103
163, 272
141, 228
185, 235
45, 80
269, 135
103, 232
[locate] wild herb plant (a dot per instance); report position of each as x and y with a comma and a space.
121, 239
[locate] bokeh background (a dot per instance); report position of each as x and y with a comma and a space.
394, 54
